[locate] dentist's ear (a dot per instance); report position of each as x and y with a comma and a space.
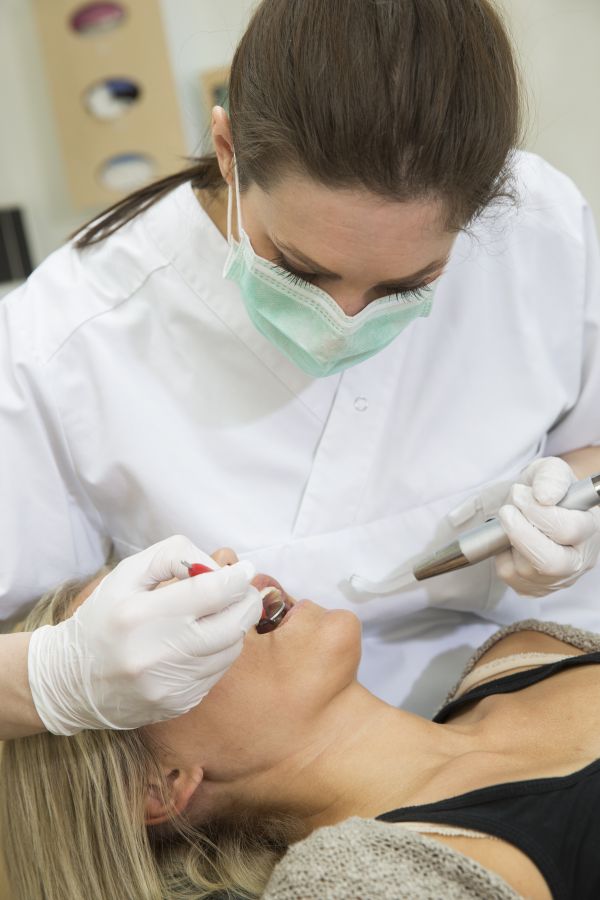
181, 784
223, 142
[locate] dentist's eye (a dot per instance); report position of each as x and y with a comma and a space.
409, 294
290, 273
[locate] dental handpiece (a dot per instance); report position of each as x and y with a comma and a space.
490, 538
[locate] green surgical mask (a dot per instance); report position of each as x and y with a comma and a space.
304, 322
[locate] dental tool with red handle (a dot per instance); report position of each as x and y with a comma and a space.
273, 612
195, 568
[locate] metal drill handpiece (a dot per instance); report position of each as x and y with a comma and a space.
490, 538
470, 547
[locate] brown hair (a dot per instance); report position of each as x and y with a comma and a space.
406, 98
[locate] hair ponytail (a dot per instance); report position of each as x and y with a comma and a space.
203, 173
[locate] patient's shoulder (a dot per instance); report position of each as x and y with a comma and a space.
535, 636
527, 642
529, 636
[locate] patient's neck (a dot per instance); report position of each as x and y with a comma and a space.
361, 758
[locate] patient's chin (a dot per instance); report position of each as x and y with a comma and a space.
339, 645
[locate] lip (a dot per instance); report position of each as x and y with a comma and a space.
295, 609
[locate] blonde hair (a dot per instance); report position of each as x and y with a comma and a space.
72, 818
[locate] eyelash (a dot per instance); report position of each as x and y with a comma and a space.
288, 271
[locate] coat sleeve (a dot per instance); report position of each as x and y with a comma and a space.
48, 531
580, 426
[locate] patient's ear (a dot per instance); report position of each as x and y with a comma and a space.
181, 784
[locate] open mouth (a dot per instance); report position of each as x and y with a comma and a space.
276, 605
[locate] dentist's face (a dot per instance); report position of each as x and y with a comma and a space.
353, 244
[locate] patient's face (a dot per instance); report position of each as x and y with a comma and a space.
266, 702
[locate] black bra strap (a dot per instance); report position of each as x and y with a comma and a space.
507, 684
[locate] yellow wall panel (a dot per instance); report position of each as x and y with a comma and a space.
134, 49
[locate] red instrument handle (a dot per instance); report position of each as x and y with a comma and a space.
200, 569
197, 569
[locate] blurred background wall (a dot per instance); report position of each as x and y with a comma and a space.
557, 41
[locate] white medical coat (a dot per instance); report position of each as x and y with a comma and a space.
137, 400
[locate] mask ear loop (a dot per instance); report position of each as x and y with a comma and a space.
237, 205
229, 199
234, 246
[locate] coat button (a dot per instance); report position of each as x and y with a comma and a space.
360, 404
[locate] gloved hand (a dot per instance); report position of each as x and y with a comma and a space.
131, 655
551, 546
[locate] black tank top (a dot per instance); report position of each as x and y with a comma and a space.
554, 821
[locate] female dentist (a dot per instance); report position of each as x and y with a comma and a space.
365, 324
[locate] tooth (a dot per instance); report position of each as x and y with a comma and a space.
273, 593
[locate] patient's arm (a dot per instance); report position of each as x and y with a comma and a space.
18, 716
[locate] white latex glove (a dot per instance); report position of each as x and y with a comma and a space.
131, 655
551, 546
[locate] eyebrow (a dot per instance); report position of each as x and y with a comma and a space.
317, 269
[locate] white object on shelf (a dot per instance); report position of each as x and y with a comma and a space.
127, 171
111, 98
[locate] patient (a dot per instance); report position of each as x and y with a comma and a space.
288, 742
